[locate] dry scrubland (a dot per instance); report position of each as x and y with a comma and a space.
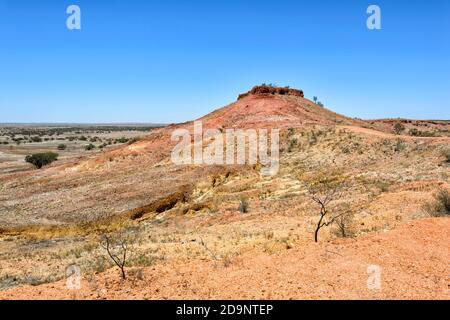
227, 232
69, 141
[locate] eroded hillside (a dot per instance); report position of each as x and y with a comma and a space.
192, 216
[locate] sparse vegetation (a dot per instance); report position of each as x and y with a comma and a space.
62, 147
399, 128
134, 140
446, 154
89, 147
440, 206
122, 140
244, 205
344, 222
41, 159
383, 185
117, 250
292, 144
192, 219
324, 188
312, 140
399, 146
291, 132
36, 139
417, 133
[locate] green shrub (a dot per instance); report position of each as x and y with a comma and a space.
122, 140
89, 147
41, 159
36, 139
417, 133
399, 146
399, 128
134, 140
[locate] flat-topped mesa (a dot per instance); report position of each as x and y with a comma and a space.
271, 90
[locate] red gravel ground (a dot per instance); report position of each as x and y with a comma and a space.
414, 261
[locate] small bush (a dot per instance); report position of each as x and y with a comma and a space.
344, 223
441, 205
41, 159
446, 154
36, 139
417, 133
312, 139
244, 205
89, 147
399, 128
292, 144
134, 140
62, 147
291, 132
383, 185
399, 146
122, 140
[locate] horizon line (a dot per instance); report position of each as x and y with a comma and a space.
152, 124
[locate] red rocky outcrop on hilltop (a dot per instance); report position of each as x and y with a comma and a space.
267, 90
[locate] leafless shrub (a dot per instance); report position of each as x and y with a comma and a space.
117, 250
203, 243
137, 274
324, 188
344, 222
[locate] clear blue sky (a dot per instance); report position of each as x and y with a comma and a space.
170, 61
